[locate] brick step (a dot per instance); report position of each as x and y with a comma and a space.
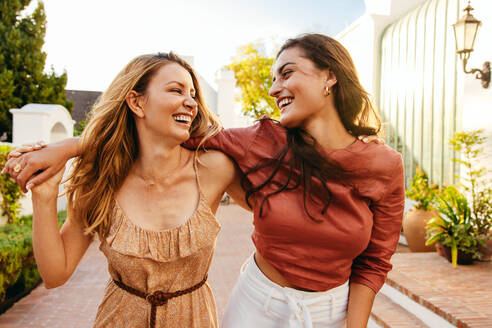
387, 314
426, 285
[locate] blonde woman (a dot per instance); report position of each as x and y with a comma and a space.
150, 201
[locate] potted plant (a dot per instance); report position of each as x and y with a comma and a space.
476, 185
454, 228
415, 220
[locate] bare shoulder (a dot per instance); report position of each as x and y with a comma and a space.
216, 173
216, 164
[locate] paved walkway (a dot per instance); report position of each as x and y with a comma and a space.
75, 303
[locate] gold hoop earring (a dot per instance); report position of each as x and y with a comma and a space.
327, 90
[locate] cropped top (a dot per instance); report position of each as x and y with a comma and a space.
358, 233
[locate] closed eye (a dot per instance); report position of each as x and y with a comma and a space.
177, 90
286, 73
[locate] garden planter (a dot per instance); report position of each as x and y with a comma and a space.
463, 258
487, 249
414, 229
439, 249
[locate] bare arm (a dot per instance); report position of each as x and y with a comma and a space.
57, 252
360, 303
237, 192
38, 166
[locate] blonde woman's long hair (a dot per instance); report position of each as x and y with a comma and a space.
109, 143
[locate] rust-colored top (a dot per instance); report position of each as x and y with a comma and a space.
360, 230
169, 260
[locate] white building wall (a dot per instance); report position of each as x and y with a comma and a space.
209, 94
477, 101
222, 100
362, 39
227, 107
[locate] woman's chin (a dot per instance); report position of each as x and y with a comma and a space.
179, 137
287, 122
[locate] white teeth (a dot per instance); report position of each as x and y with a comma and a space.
182, 118
284, 102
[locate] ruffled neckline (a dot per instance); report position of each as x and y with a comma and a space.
198, 231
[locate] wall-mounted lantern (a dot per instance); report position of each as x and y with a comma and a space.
465, 33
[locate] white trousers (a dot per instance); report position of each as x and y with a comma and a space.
257, 302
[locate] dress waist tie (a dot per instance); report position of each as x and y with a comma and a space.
158, 298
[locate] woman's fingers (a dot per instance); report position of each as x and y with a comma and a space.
34, 165
31, 167
371, 138
26, 148
14, 154
13, 166
38, 179
23, 168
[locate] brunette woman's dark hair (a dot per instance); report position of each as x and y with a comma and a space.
308, 169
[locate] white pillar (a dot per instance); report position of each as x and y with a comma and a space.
226, 84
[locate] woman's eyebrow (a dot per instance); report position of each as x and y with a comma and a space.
177, 82
279, 70
181, 85
282, 67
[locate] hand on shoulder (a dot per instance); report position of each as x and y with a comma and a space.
373, 138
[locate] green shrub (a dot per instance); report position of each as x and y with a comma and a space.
18, 271
421, 192
475, 181
10, 192
454, 227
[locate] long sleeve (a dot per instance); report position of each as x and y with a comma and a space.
232, 142
372, 265
246, 146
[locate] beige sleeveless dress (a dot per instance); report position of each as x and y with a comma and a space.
169, 260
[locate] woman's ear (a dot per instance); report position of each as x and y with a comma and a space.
134, 100
331, 79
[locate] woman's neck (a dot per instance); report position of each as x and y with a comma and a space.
329, 131
157, 162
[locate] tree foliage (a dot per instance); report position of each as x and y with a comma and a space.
10, 191
253, 72
22, 62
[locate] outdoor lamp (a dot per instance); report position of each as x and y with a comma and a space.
465, 33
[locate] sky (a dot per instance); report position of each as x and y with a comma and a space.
93, 39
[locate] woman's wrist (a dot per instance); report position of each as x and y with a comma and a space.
71, 145
45, 195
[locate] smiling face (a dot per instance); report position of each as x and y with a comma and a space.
298, 88
168, 104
